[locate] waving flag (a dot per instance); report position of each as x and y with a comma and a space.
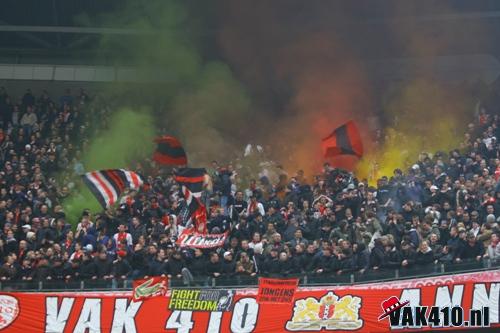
344, 140
169, 151
191, 181
196, 212
108, 185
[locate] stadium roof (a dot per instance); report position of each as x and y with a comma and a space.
48, 32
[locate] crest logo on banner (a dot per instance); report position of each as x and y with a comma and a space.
9, 309
329, 312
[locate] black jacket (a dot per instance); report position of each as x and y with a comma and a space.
424, 258
156, 267
121, 268
409, 255
328, 264
392, 258
228, 267
361, 259
42, 272
271, 266
103, 267
465, 251
25, 272
198, 266
377, 256
87, 270
347, 264
57, 272
214, 268
174, 266
138, 261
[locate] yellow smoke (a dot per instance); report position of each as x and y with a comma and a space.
424, 116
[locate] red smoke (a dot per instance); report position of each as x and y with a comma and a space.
326, 84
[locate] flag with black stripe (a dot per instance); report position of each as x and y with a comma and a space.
108, 185
192, 179
196, 212
344, 140
169, 151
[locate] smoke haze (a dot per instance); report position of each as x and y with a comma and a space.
317, 58
121, 144
284, 74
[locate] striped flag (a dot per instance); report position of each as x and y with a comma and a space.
108, 185
169, 151
343, 140
191, 181
196, 211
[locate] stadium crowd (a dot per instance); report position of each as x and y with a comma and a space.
444, 209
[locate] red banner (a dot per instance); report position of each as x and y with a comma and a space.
276, 290
190, 238
147, 288
346, 308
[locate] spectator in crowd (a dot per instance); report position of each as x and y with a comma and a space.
493, 249
471, 249
244, 266
425, 255
196, 269
174, 266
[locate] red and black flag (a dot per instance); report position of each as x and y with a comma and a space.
192, 179
169, 151
108, 185
196, 211
344, 140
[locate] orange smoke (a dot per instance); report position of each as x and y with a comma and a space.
302, 65
323, 82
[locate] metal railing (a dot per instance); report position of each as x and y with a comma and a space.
243, 281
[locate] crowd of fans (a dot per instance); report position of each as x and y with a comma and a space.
444, 209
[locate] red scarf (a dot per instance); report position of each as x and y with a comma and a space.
78, 254
121, 236
165, 220
200, 220
252, 207
322, 209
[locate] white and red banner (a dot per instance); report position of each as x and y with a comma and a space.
328, 308
190, 238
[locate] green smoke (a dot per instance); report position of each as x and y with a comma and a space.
159, 46
197, 100
126, 141
213, 115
